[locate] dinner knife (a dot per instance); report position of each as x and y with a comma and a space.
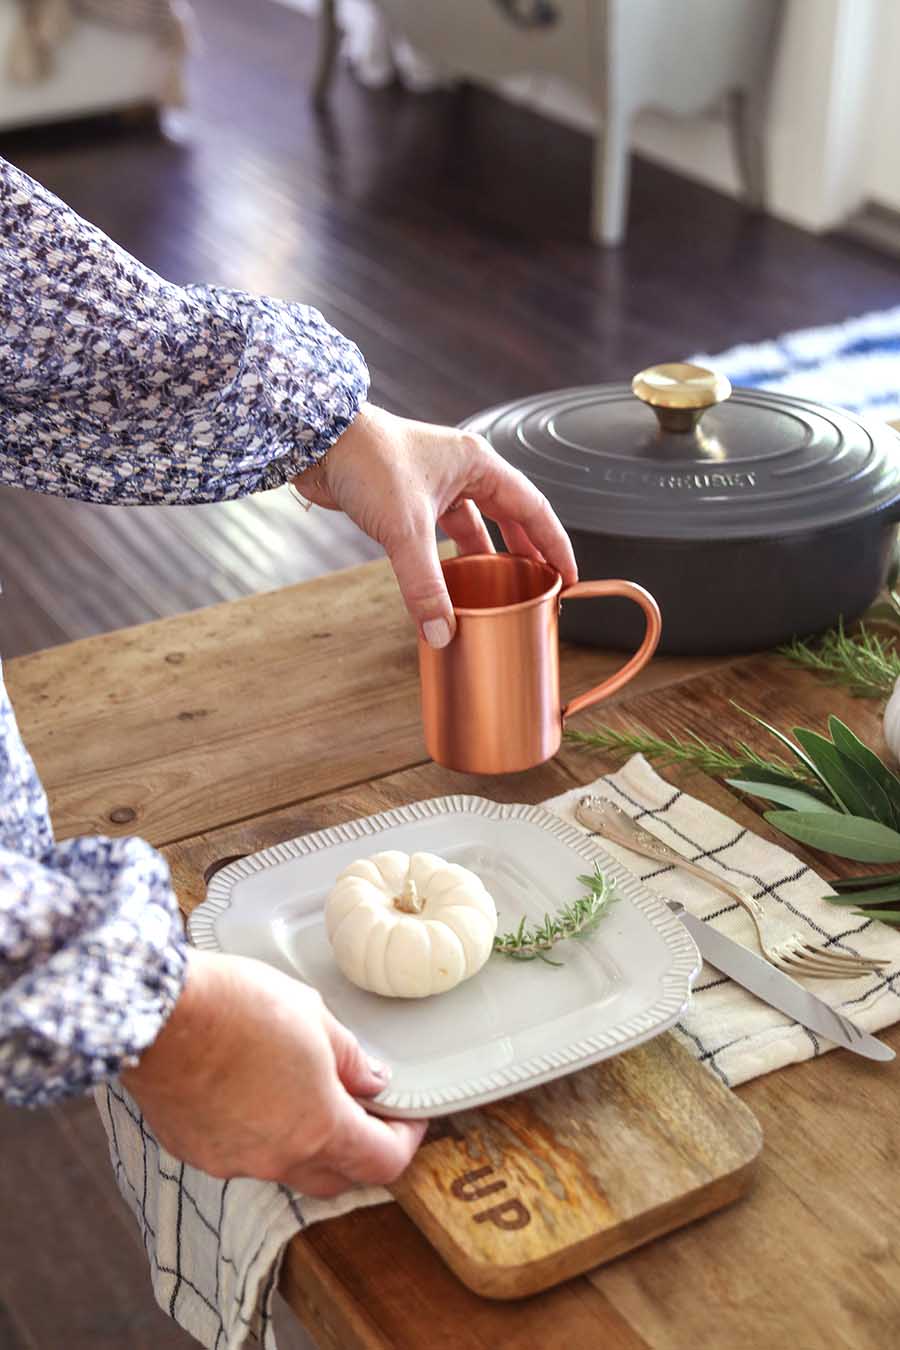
777, 989
755, 973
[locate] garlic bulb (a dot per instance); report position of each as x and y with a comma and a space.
409, 926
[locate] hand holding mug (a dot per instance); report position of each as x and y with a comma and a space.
398, 480
490, 700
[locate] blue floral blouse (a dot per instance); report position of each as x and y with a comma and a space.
117, 386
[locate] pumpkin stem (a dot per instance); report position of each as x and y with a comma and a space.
409, 899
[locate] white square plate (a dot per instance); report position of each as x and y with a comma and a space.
515, 1024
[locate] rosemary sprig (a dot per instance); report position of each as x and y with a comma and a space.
866, 664
715, 760
530, 942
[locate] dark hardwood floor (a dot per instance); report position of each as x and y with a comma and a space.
446, 234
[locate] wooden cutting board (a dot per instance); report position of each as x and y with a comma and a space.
529, 1191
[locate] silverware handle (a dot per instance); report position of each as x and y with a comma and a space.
749, 902
659, 852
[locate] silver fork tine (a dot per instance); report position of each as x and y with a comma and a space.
793, 953
802, 966
822, 953
847, 958
837, 972
821, 958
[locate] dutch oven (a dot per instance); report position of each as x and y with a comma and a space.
751, 516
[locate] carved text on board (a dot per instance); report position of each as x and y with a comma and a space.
507, 1213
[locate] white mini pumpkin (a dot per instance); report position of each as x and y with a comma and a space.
409, 926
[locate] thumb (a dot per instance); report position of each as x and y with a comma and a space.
417, 567
360, 1075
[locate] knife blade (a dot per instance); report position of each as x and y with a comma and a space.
777, 989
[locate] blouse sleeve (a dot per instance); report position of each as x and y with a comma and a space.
118, 386
92, 949
92, 960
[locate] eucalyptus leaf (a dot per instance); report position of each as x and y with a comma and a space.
878, 895
850, 781
863, 883
752, 773
849, 744
793, 797
845, 836
889, 916
794, 749
842, 901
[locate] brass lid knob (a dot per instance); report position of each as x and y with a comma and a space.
680, 393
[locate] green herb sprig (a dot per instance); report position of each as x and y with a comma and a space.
715, 760
838, 797
532, 942
864, 663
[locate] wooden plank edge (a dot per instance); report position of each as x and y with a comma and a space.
316, 1295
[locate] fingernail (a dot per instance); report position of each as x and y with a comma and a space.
437, 632
378, 1069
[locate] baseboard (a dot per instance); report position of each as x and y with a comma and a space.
875, 225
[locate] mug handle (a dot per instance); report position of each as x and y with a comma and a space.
584, 590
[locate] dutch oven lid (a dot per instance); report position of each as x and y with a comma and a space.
678, 454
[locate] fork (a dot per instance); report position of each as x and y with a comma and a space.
790, 952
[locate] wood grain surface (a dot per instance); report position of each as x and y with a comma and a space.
531, 1190
465, 287
808, 1258
236, 710
825, 1270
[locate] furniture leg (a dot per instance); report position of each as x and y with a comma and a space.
329, 37
610, 180
746, 120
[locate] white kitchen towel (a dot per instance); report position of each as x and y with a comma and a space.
729, 1030
215, 1247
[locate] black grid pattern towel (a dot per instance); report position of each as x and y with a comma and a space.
215, 1247
734, 1034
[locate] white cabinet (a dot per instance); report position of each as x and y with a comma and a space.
96, 68
883, 170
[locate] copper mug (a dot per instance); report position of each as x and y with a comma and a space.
490, 699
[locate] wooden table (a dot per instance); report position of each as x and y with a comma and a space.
301, 706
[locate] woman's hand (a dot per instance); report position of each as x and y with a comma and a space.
399, 479
252, 1076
